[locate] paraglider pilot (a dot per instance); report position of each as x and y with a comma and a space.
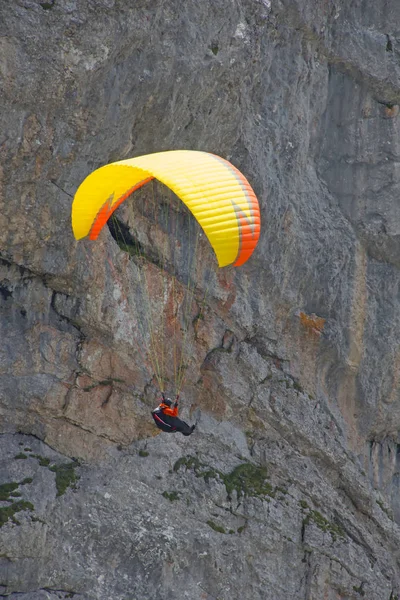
166, 418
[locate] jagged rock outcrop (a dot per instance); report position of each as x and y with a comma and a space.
290, 488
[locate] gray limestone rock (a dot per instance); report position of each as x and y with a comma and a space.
289, 488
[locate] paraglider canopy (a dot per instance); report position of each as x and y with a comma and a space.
216, 193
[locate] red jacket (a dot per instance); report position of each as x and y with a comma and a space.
172, 412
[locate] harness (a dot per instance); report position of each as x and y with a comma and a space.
157, 418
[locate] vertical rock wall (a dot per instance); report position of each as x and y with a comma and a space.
290, 487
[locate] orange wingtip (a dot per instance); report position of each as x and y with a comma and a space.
106, 211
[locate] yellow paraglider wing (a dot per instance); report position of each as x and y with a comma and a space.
216, 193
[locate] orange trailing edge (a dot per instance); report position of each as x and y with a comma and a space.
109, 207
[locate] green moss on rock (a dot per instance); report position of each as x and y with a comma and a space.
248, 480
7, 512
216, 527
47, 5
171, 496
200, 469
6, 489
65, 477
325, 525
43, 461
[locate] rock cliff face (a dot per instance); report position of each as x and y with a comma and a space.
290, 487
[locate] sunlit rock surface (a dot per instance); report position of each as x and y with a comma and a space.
289, 488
